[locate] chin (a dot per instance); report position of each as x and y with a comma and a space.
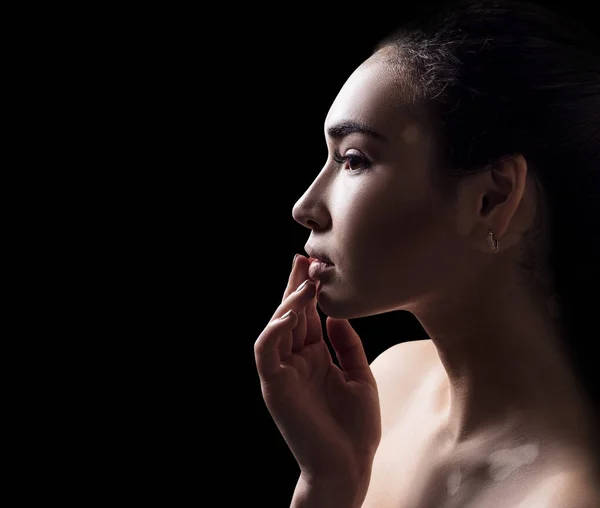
346, 305
339, 308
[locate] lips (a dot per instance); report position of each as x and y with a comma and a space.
317, 260
318, 269
317, 254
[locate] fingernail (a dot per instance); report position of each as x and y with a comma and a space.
302, 285
294, 262
286, 315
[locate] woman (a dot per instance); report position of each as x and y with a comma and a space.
463, 186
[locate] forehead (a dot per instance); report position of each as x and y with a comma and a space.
372, 95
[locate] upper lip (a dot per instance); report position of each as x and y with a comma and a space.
317, 254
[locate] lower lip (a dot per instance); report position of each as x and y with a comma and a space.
317, 268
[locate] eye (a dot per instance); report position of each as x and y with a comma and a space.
356, 162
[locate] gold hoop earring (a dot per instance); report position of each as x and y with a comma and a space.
493, 241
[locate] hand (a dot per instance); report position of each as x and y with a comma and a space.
329, 416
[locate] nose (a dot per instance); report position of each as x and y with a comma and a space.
302, 215
311, 209
311, 213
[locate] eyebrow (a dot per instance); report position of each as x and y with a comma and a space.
344, 129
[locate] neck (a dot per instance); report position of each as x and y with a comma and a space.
506, 372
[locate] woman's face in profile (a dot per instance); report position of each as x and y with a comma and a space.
373, 208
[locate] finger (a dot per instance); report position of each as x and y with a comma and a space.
349, 350
299, 331
285, 343
267, 346
297, 300
314, 328
298, 274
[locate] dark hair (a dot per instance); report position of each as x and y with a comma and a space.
503, 77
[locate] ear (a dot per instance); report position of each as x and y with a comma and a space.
500, 200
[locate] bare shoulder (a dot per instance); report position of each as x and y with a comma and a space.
404, 357
398, 370
564, 490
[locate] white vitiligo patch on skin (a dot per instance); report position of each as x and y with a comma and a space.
453, 482
506, 461
502, 463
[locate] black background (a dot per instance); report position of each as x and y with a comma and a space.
225, 114
297, 60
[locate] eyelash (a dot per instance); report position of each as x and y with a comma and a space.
360, 159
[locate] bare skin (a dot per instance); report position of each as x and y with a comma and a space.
505, 466
398, 242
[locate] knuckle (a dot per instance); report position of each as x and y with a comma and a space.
259, 343
260, 347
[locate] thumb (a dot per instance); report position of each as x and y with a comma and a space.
349, 350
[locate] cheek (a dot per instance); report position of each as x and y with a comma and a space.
408, 240
392, 255
383, 222
411, 225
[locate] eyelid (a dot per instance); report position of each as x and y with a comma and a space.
343, 159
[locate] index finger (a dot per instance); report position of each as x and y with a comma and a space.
298, 274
